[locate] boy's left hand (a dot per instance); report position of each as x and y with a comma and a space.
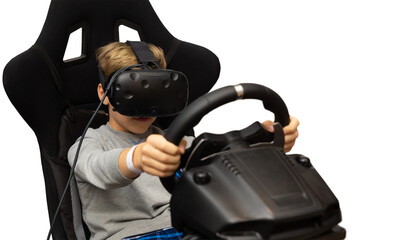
291, 132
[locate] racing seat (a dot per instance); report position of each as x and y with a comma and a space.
62, 94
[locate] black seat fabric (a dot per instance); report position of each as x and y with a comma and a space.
62, 94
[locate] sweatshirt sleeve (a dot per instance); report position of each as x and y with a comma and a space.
95, 165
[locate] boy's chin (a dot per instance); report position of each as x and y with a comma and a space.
140, 125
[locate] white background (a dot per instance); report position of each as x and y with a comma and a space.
333, 62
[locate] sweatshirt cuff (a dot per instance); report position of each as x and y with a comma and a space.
113, 169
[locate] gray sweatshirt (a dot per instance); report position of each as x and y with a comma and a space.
113, 205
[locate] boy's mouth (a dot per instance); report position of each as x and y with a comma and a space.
142, 119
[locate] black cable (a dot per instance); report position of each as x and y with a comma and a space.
80, 143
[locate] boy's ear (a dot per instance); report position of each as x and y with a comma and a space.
101, 94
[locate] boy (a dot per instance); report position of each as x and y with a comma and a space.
120, 162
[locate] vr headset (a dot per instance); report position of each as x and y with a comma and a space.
146, 90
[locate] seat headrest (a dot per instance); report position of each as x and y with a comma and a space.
52, 82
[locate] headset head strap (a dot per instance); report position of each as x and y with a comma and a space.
144, 54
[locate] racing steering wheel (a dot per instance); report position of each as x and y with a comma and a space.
193, 114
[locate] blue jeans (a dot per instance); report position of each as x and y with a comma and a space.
167, 233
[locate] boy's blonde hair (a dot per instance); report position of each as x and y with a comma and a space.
117, 55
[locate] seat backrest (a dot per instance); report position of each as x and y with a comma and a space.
55, 96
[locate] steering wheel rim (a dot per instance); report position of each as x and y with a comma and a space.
193, 114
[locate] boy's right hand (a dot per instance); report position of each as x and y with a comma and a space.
157, 156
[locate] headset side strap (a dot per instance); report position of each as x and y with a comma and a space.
102, 78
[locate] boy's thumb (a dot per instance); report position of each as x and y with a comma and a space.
268, 125
182, 146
